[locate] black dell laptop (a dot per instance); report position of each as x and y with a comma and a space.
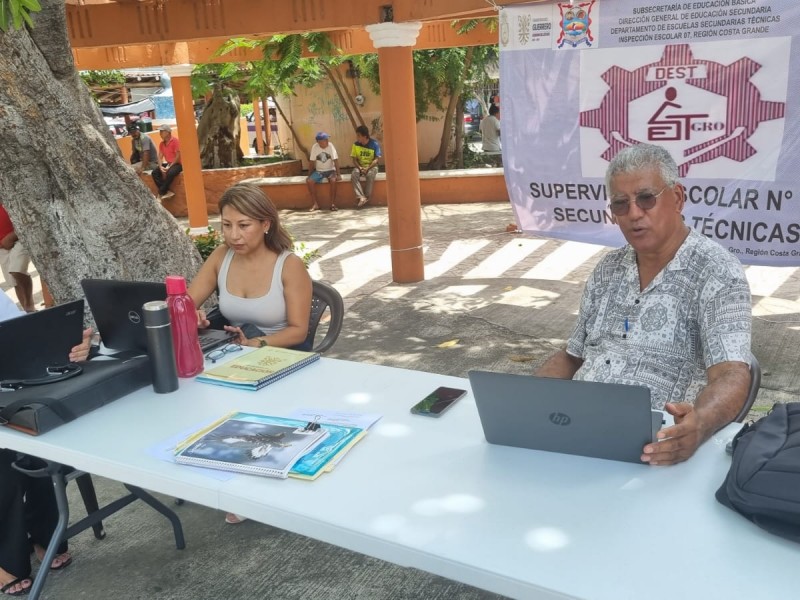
117, 310
37, 345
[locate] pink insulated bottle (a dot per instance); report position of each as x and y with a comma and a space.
183, 314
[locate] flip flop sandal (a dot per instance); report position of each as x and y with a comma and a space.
66, 560
333, 207
313, 209
362, 202
22, 591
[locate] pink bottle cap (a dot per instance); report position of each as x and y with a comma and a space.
175, 284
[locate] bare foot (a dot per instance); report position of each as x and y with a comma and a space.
234, 519
314, 208
61, 561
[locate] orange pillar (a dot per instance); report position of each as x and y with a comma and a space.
258, 125
190, 147
394, 42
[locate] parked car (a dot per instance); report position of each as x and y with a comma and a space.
473, 113
251, 124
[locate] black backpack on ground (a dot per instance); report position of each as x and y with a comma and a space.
763, 483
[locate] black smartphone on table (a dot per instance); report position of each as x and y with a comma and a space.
438, 401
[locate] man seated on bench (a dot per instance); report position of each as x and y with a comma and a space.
28, 510
169, 162
324, 163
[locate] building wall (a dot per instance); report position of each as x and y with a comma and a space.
319, 109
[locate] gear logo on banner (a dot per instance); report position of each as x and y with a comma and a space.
700, 110
576, 24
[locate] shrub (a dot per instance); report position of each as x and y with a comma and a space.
207, 242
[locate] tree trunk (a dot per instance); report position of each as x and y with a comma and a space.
218, 131
297, 142
338, 85
440, 160
78, 207
458, 151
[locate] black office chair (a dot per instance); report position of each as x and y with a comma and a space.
324, 296
755, 384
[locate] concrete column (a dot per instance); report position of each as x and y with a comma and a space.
267, 125
190, 147
394, 42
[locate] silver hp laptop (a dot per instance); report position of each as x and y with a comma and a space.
117, 310
601, 420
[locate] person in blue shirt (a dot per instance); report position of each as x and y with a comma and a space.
365, 154
28, 510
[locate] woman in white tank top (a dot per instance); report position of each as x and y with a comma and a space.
264, 288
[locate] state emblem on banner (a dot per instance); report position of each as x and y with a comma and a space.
504, 29
575, 24
699, 110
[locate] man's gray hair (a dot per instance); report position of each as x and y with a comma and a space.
643, 156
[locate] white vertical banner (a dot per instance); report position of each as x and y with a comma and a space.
715, 82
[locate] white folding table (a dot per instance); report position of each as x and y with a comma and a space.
432, 494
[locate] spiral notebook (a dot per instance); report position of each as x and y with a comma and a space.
252, 444
258, 368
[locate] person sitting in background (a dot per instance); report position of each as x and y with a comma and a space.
670, 310
28, 509
14, 261
490, 130
169, 162
263, 286
324, 162
143, 150
365, 154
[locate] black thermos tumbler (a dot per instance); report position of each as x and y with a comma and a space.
159, 347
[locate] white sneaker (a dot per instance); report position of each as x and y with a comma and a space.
167, 195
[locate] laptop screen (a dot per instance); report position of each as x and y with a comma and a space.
601, 420
32, 342
117, 310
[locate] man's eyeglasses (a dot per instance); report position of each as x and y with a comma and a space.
217, 354
644, 200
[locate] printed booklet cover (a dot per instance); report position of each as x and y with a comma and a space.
250, 443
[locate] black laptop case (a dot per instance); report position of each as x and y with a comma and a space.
40, 408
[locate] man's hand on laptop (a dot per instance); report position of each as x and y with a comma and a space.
80, 352
677, 443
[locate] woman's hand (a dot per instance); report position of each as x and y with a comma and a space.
240, 339
202, 320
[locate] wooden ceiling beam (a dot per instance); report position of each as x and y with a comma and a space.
351, 41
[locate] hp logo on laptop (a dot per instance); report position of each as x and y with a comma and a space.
558, 418
134, 317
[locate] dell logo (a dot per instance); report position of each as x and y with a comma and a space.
557, 418
134, 317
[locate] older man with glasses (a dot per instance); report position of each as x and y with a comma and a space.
670, 310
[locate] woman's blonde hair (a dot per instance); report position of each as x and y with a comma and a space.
249, 200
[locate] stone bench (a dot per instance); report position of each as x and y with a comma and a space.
453, 186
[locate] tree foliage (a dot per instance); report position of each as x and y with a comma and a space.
102, 78
439, 75
16, 13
